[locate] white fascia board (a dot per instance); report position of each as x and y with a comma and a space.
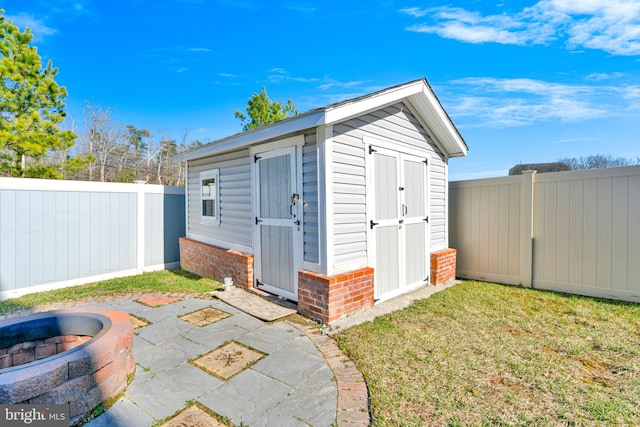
343, 112
439, 123
291, 125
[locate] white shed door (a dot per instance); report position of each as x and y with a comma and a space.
277, 223
399, 222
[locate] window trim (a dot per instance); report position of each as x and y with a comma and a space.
209, 174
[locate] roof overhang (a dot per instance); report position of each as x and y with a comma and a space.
245, 139
418, 93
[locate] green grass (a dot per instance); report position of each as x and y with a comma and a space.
158, 281
480, 354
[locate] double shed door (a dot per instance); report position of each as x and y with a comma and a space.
399, 222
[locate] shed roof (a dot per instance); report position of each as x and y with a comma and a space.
417, 93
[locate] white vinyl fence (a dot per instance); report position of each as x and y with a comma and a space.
61, 233
575, 232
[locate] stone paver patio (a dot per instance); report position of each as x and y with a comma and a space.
264, 374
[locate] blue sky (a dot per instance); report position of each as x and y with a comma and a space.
523, 81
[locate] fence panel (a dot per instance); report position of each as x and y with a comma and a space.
576, 232
61, 233
484, 226
586, 232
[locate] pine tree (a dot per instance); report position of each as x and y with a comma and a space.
31, 106
262, 110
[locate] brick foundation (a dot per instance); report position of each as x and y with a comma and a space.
328, 298
216, 263
443, 266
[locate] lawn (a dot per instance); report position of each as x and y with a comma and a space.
480, 354
154, 282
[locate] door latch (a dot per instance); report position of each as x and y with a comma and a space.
372, 224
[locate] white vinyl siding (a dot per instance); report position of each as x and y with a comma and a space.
310, 199
394, 124
349, 190
235, 229
438, 202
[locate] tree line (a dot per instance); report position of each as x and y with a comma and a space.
598, 161
32, 144
112, 152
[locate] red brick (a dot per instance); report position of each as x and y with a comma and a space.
6, 361
46, 350
24, 356
216, 263
443, 266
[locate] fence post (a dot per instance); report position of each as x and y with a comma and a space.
526, 229
140, 216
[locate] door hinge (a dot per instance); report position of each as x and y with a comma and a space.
426, 161
256, 158
258, 221
427, 219
372, 150
372, 224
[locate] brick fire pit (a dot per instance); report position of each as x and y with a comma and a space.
81, 357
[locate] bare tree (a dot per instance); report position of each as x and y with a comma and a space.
598, 161
104, 138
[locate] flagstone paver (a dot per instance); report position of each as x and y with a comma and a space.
232, 400
154, 301
167, 393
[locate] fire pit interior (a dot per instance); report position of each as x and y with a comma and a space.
79, 357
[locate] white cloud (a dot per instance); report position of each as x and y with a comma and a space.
329, 83
199, 49
227, 75
491, 102
631, 92
280, 75
609, 25
304, 8
598, 77
414, 11
38, 27
470, 34
66, 7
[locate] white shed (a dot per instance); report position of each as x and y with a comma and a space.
334, 208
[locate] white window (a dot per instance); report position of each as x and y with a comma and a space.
210, 197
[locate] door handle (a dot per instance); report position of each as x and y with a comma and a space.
405, 210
